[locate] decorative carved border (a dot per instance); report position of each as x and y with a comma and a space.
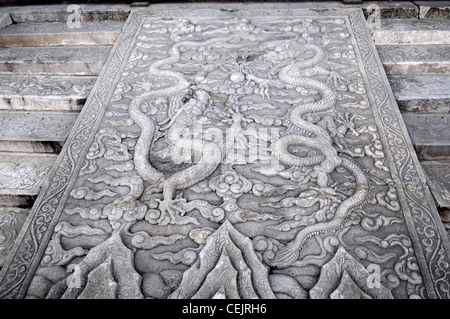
431, 245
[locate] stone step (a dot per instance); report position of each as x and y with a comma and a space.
430, 134
60, 34
22, 176
44, 93
76, 60
415, 59
120, 12
438, 178
67, 12
422, 93
412, 31
36, 126
41, 132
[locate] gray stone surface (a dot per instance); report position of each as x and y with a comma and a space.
77, 60
415, 59
438, 177
44, 93
60, 34
430, 134
422, 93
412, 31
230, 153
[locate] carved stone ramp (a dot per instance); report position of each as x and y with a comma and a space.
264, 135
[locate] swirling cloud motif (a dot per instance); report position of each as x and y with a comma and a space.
230, 185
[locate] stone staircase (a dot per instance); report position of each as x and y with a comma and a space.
48, 69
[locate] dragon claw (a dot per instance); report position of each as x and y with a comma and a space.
170, 210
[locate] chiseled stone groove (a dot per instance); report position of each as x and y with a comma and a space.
412, 31
44, 93
76, 60
422, 93
60, 34
430, 134
415, 59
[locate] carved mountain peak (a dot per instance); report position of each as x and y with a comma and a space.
345, 277
229, 263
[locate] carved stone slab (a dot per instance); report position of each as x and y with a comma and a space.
252, 151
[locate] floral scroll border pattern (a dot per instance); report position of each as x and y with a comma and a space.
430, 243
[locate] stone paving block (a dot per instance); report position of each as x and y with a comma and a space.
158, 191
422, 93
44, 92
412, 31
430, 134
11, 222
59, 34
77, 60
415, 59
